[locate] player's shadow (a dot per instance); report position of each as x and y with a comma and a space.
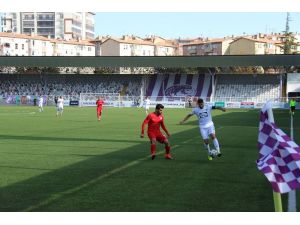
58, 139
128, 180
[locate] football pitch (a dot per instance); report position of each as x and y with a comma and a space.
75, 163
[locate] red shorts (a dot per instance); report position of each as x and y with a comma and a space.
99, 111
157, 136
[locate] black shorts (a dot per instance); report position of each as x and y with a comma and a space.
293, 108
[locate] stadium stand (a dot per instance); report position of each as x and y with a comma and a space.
179, 85
247, 88
229, 87
71, 85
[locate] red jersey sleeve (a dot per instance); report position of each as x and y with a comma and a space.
164, 127
146, 121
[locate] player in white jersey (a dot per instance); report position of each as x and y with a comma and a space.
206, 125
60, 106
41, 102
147, 105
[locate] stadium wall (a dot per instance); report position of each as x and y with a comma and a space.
293, 84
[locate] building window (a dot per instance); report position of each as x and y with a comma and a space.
28, 24
192, 50
22, 46
45, 31
28, 30
28, 16
16, 46
44, 24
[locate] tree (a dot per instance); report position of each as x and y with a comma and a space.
289, 38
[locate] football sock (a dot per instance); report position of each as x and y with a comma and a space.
168, 148
153, 149
216, 144
207, 147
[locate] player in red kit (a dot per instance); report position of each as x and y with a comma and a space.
99, 104
154, 121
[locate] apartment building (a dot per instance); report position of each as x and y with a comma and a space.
255, 46
184, 41
97, 42
277, 36
135, 46
217, 46
163, 47
73, 48
127, 46
61, 25
12, 44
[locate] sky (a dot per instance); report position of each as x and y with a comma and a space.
190, 24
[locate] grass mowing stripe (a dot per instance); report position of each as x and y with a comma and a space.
75, 189
76, 150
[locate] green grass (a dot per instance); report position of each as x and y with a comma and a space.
76, 163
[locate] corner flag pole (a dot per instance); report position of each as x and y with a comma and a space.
292, 204
276, 195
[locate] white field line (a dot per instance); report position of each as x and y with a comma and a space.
57, 196
17, 113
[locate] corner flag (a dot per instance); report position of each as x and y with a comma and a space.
279, 156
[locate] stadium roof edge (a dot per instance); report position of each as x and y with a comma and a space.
151, 61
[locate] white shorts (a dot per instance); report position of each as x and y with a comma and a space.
205, 132
40, 105
147, 107
59, 108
